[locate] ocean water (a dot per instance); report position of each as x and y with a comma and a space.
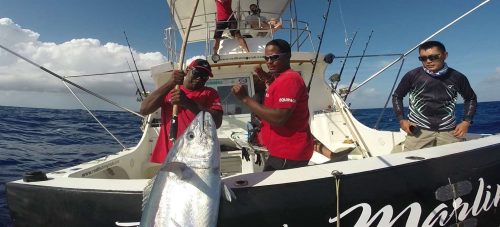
48, 139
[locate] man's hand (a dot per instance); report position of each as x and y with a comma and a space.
262, 75
461, 129
177, 77
240, 91
405, 125
179, 98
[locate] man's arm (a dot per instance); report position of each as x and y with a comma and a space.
179, 98
155, 99
275, 116
397, 103
470, 105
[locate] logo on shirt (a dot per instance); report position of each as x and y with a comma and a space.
287, 100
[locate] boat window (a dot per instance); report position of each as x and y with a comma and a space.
231, 104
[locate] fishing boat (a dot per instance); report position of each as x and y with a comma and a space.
375, 185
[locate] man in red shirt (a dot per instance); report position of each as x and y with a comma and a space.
285, 113
225, 19
191, 97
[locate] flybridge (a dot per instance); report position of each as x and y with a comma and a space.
204, 23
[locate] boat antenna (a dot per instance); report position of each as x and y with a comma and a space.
325, 17
357, 67
175, 108
136, 69
70, 82
412, 49
345, 60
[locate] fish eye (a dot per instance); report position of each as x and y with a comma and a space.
190, 135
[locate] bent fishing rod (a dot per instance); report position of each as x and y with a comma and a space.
175, 108
319, 46
414, 48
69, 82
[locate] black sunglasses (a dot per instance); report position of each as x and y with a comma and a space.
199, 73
273, 57
430, 57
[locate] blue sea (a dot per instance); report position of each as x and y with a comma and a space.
48, 139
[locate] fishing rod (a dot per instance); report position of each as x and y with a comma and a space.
325, 17
175, 108
412, 49
137, 91
137, 70
69, 82
357, 67
100, 74
345, 60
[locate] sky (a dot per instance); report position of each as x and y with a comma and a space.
74, 37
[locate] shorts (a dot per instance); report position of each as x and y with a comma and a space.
275, 163
231, 23
426, 138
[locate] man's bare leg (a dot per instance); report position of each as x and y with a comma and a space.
216, 46
243, 43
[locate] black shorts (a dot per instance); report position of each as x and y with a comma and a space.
275, 163
231, 23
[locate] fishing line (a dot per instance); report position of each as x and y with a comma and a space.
137, 70
138, 91
412, 49
69, 82
100, 74
92, 114
359, 64
345, 60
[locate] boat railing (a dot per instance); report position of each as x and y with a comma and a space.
295, 31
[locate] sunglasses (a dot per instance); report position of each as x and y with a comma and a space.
199, 73
273, 57
430, 57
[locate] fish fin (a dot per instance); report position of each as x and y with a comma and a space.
178, 168
129, 224
147, 191
228, 193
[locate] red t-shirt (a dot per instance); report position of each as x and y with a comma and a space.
294, 140
224, 9
206, 97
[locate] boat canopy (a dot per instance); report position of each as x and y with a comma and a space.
204, 22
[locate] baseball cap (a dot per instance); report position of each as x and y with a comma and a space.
201, 64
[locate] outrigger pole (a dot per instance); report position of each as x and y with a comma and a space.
69, 82
175, 110
412, 49
319, 46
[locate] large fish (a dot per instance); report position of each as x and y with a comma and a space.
186, 191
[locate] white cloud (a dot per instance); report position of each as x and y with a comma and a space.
493, 79
73, 57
